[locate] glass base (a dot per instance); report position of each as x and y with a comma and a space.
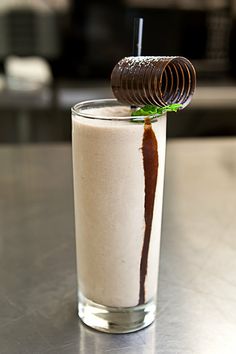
116, 319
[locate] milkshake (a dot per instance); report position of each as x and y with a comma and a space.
118, 166
117, 209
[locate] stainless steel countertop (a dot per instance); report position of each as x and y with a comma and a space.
197, 292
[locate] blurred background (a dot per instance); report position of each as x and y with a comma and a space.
54, 53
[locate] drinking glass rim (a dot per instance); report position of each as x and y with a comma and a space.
78, 111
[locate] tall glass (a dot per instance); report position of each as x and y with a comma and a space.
118, 169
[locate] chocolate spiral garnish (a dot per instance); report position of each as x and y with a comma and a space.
158, 81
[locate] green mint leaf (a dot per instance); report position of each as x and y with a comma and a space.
171, 108
147, 110
150, 110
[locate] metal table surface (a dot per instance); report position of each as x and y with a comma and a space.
197, 292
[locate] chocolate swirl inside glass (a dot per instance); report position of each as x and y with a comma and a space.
158, 81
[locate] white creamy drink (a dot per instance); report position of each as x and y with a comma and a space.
110, 202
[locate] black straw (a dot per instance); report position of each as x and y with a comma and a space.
137, 40
137, 36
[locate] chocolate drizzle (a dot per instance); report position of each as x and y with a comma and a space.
150, 165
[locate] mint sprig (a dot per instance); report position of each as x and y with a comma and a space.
154, 111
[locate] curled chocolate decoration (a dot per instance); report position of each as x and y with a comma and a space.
159, 81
